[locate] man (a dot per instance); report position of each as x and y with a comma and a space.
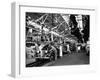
68, 48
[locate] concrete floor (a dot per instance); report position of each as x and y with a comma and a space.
72, 59
67, 59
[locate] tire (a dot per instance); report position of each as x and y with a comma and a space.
53, 55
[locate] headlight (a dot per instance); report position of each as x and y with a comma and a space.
46, 51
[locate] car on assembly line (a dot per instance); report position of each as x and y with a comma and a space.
42, 51
47, 51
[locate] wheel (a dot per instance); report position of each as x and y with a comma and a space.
53, 55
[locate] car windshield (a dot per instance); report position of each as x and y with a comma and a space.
30, 44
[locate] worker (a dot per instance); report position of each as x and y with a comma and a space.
68, 48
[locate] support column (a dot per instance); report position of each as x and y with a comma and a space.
51, 37
61, 52
68, 48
